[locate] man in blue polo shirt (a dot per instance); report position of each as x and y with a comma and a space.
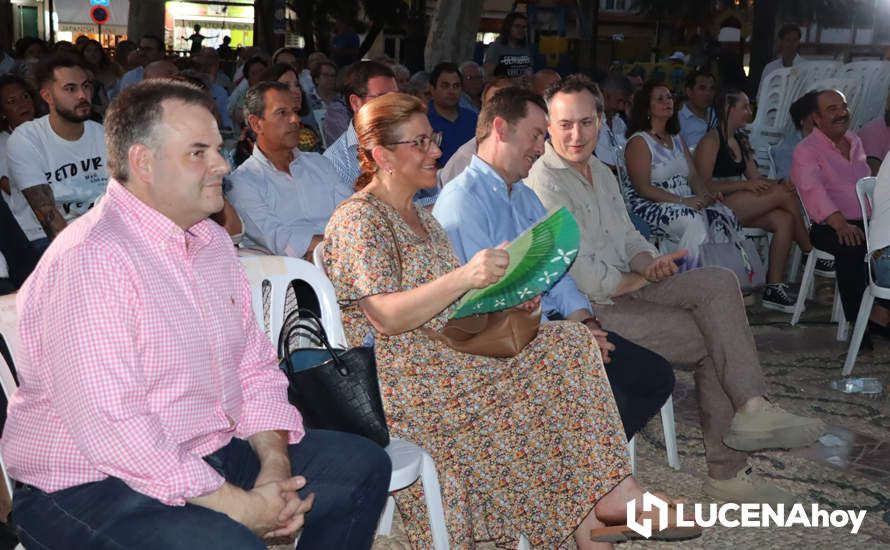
456, 123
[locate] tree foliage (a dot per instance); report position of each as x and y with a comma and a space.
316, 18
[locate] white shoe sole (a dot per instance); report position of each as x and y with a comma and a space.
781, 438
777, 307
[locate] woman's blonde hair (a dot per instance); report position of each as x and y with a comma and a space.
378, 123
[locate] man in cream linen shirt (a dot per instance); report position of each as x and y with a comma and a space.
696, 317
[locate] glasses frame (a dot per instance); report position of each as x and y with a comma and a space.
435, 137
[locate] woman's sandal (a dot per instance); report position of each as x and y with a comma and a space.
623, 533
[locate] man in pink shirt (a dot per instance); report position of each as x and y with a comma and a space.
151, 411
875, 137
825, 168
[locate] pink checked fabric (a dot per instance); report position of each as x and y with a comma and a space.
139, 354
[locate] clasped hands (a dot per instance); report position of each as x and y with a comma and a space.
273, 508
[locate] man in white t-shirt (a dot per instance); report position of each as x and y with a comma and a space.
789, 43
58, 161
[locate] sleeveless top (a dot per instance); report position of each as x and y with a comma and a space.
725, 166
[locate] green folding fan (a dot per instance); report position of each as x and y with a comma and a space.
538, 258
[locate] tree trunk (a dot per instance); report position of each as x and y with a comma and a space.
763, 34
145, 17
589, 10
6, 31
452, 33
264, 34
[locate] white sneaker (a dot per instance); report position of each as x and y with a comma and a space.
771, 427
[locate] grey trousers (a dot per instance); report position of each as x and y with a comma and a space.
698, 318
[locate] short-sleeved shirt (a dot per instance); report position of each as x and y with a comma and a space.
74, 170
875, 138
517, 62
18, 205
693, 127
454, 134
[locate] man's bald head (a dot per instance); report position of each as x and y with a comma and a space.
160, 69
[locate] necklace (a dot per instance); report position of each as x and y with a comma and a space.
660, 139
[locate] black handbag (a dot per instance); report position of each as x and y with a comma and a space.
334, 389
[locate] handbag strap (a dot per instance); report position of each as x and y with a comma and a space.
315, 328
392, 230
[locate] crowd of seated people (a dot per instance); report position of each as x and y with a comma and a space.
469, 158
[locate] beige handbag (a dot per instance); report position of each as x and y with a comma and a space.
497, 334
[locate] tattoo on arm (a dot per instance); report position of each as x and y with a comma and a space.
41, 199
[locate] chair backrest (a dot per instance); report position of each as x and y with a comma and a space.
9, 386
279, 272
777, 91
865, 192
814, 71
874, 77
318, 256
8, 328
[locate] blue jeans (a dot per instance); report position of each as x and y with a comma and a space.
348, 474
881, 268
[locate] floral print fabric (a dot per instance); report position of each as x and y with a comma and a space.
524, 445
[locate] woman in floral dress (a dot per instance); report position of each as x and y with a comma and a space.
531, 445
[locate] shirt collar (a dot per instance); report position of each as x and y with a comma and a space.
351, 136
154, 223
686, 113
264, 160
551, 158
492, 179
819, 135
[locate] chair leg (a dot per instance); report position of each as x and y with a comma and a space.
384, 526
859, 330
670, 433
432, 494
795, 263
837, 315
632, 452
809, 272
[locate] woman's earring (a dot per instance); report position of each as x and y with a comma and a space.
389, 171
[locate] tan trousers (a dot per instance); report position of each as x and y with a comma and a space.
698, 318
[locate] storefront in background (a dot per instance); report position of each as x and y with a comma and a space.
233, 19
72, 19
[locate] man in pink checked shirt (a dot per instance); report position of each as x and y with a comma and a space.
151, 411
825, 168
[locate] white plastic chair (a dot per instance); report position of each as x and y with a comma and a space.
865, 190
807, 287
409, 461
874, 76
7, 380
670, 438
816, 70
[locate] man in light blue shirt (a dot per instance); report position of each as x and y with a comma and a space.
697, 115
283, 195
488, 204
152, 49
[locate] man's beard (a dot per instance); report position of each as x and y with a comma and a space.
71, 115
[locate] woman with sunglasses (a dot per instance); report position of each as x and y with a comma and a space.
530, 445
